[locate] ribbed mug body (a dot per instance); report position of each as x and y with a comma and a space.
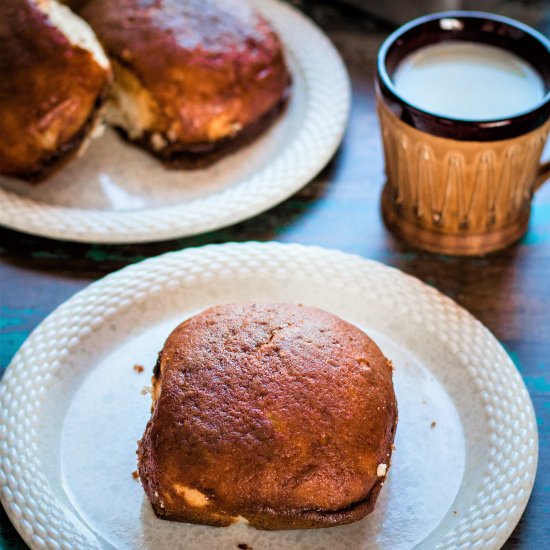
457, 197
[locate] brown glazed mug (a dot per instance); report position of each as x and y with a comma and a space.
458, 186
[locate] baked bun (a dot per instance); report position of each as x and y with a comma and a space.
277, 414
54, 77
190, 75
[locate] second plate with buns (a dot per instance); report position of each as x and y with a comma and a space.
266, 142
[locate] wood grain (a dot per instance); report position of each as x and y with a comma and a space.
508, 291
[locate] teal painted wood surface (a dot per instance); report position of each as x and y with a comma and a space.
508, 291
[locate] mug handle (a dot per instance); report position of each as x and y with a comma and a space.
543, 174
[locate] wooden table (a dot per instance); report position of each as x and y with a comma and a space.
508, 291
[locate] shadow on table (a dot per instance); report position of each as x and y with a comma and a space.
488, 286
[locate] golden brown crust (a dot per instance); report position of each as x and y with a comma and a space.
50, 91
278, 413
212, 67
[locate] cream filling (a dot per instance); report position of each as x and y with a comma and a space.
193, 497
239, 519
75, 29
131, 106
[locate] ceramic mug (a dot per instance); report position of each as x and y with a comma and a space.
460, 186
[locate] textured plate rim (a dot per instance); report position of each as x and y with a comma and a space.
33, 508
326, 114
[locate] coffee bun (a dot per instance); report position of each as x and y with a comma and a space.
276, 414
190, 75
54, 78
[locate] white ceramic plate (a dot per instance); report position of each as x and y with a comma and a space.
71, 409
117, 193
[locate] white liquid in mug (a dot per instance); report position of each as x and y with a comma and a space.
468, 81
